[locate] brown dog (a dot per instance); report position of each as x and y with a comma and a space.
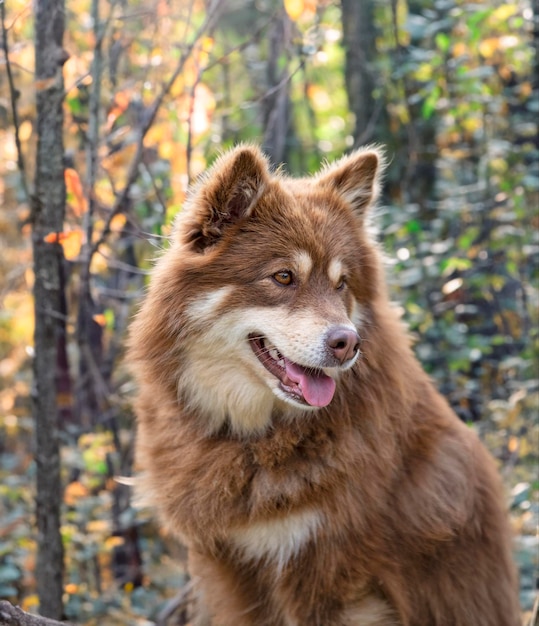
287, 434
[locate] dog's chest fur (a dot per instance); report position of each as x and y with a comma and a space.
277, 541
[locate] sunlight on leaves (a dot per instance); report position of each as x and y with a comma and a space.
71, 242
489, 47
294, 8
117, 223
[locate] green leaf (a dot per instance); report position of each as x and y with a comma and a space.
454, 264
467, 238
429, 105
443, 42
413, 226
74, 105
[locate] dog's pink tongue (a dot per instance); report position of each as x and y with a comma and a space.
317, 388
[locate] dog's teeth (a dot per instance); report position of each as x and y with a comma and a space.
274, 353
281, 363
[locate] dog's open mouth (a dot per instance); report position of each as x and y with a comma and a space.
306, 385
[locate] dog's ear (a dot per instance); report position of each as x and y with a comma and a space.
225, 196
356, 177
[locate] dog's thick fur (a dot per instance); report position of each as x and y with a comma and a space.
287, 434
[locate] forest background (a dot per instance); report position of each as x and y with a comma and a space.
148, 93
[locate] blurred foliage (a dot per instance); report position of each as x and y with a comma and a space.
457, 99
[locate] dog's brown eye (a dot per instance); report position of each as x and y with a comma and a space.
284, 277
341, 284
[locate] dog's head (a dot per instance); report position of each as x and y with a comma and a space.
273, 280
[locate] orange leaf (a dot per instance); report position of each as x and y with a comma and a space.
100, 319
74, 491
121, 100
74, 188
119, 106
53, 238
71, 242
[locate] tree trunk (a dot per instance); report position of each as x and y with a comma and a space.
276, 104
49, 298
359, 44
14, 616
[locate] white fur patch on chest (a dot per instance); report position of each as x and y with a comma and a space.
277, 540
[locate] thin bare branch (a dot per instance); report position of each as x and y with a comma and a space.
14, 94
157, 191
179, 601
150, 116
92, 137
241, 47
189, 147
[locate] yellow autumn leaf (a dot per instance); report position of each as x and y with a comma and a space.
21, 319
30, 603
166, 149
98, 526
113, 542
25, 130
117, 223
294, 8
178, 88
156, 133
204, 51
72, 244
424, 72
190, 74
502, 13
104, 192
472, 124
98, 264
488, 47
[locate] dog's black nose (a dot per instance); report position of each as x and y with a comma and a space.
343, 343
